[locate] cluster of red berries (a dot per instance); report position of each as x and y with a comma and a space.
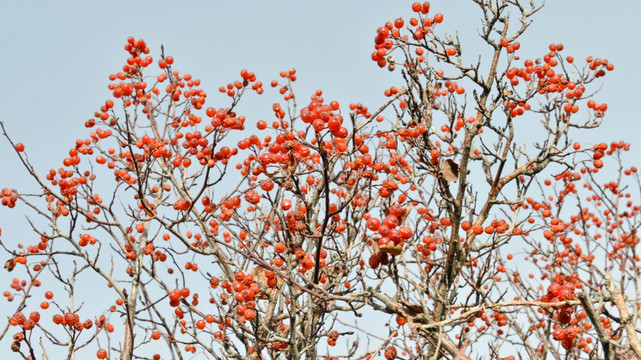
8, 197
360, 109
517, 108
285, 152
599, 152
387, 187
452, 87
392, 233
244, 289
566, 335
136, 48
72, 320
382, 42
323, 116
285, 89
389, 33
306, 262
252, 197
185, 86
19, 319
562, 289
227, 209
295, 219
280, 345
429, 245
131, 70
601, 149
332, 337
601, 64
247, 78
378, 258
548, 80
181, 204
390, 353
152, 148
176, 295
67, 182
198, 145
86, 239
568, 178
510, 47
124, 90
17, 284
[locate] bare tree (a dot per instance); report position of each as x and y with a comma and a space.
389, 231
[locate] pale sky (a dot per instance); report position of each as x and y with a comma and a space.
57, 55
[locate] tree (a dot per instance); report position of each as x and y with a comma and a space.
339, 231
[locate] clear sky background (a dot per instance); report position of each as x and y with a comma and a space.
56, 56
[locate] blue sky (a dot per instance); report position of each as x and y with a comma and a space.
56, 57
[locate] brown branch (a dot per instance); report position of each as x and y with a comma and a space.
626, 318
608, 352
